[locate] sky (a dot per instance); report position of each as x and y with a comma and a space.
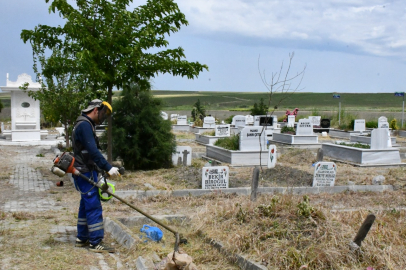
355, 46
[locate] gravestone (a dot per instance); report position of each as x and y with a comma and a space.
174, 116
180, 154
164, 115
209, 122
324, 174
320, 155
263, 120
222, 130
2, 127
379, 139
249, 139
304, 127
359, 125
291, 120
325, 123
239, 121
182, 120
215, 177
271, 156
383, 123
249, 119
315, 120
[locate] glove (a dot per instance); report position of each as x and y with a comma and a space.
114, 172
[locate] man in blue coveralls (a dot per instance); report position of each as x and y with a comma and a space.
87, 158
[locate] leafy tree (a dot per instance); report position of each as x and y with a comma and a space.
142, 138
261, 109
198, 111
111, 45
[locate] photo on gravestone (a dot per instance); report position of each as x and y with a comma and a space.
215, 177
266, 121
324, 174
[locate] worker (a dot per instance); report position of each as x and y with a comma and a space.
88, 160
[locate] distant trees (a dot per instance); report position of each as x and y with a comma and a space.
198, 111
259, 109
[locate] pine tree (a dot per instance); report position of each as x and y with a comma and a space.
260, 109
141, 137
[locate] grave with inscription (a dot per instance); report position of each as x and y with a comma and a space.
316, 120
324, 174
291, 120
181, 123
304, 135
215, 177
249, 120
221, 131
209, 122
239, 121
253, 138
382, 124
359, 125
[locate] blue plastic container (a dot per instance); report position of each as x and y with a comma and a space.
152, 233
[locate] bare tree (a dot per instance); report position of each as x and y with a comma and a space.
283, 83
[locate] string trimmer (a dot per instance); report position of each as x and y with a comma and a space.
64, 164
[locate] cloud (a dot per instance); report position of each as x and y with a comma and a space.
374, 27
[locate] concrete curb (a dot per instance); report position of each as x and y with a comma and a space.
241, 261
264, 190
143, 264
119, 232
140, 220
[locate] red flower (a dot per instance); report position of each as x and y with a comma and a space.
273, 150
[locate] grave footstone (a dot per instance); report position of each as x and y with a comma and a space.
320, 155
222, 131
182, 120
271, 156
324, 174
359, 125
291, 121
249, 120
215, 177
180, 155
249, 139
383, 122
209, 122
2, 127
304, 127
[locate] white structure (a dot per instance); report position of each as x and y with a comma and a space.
239, 121
291, 120
271, 156
315, 120
215, 177
164, 115
222, 131
250, 139
182, 120
249, 119
324, 174
304, 127
25, 111
209, 122
359, 125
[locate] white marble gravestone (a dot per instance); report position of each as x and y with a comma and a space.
238, 121
304, 127
182, 120
249, 139
315, 120
164, 115
291, 120
359, 125
222, 130
25, 111
383, 122
180, 152
215, 177
324, 174
209, 122
174, 116
249, 119
379, 139
2, 127
271, 156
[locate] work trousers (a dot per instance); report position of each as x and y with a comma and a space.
90, 217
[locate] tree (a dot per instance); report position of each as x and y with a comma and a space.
261, 109
111, 46
198, 111
142, 138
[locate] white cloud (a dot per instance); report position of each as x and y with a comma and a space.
375, 27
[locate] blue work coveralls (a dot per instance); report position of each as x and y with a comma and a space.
90, 224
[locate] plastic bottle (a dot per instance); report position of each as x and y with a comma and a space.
208, 164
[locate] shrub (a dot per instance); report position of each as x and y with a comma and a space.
229, 119
393, 124
371, 124
198, 122
288, 130
142, 138
259, 109
230, 143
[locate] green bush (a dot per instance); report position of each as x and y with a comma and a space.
141, 137
230, 143
288, 130
393, 124
229, 119
371, 124
259, 109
